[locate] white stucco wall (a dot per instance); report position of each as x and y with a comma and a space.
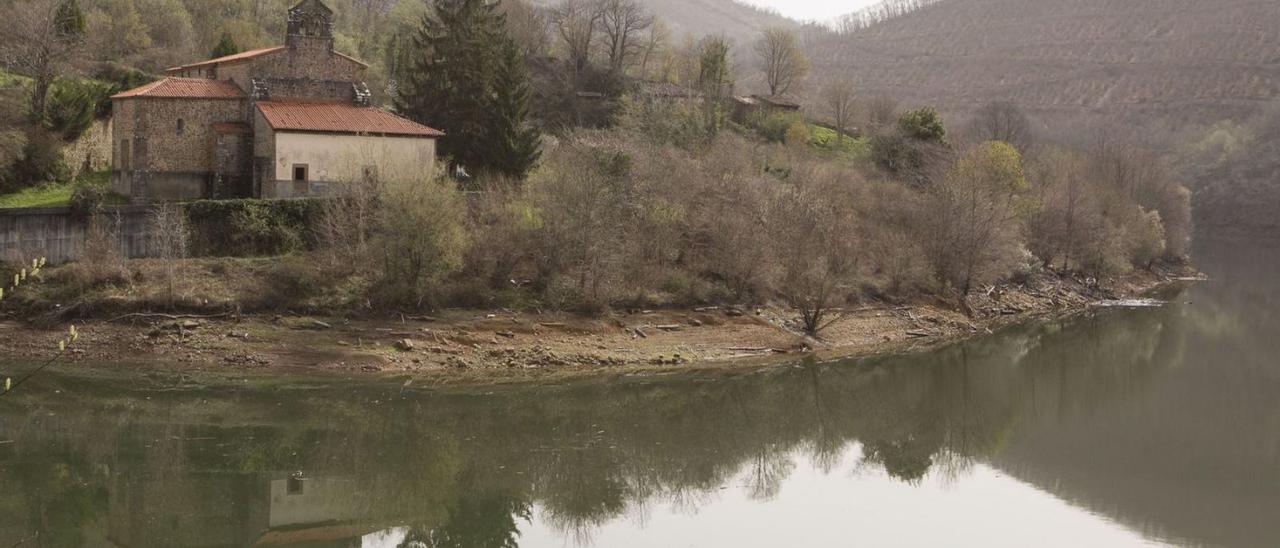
337, 158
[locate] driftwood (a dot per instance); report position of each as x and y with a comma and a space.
175, 317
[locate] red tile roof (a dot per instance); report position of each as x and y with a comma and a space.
187, 88
334, 117
230, 58
251, 54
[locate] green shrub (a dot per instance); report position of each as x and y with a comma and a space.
922, 124
248, 228
773, 126
90, 192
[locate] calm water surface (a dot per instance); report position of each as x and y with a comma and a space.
1148, 427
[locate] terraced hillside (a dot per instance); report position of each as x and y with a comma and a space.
1178, 60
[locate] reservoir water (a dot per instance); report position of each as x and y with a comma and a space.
1122, 427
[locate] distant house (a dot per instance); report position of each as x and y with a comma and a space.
746, 107
280, 122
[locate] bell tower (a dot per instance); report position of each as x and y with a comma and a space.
310, 26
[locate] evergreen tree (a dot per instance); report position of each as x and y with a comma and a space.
514, 146
456, 54
226, 46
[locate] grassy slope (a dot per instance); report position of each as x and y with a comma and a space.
56, 195
51, 195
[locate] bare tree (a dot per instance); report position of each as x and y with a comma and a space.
654, 45
1002, 121
622, 21
881, 111
169, 238
977, 216
879, 13
347, 221
528, 26
40, 38
785, 66
841, 103
576, 21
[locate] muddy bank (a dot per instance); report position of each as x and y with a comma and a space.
467, 346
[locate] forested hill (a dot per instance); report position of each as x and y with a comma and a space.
738, 21
1177, 60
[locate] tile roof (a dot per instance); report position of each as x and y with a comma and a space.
251, 54
230, 58
780, 101
187, 88
335, 117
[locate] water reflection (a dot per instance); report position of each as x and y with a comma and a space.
1163, 420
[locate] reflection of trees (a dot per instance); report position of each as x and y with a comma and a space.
466, 469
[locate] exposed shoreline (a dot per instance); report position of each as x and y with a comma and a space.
468, 347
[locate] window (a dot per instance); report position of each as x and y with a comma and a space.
182, 125
294, 486
300, 173
125, 157
370, 174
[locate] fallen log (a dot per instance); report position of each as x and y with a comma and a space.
174, 317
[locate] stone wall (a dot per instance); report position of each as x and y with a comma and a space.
165, 148
58, 235
307, 71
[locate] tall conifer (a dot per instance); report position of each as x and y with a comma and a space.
455, 60
469, 80
514, 146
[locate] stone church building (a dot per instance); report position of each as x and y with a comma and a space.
281, 122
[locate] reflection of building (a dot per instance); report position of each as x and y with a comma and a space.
236, 510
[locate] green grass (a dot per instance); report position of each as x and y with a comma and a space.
50, 195
57, 194
823, 138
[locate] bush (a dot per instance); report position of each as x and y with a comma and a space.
90, 192
922, 124
774, 125
248, 228
420, 237
41, 162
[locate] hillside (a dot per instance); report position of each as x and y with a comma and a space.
740, 22
1177, 60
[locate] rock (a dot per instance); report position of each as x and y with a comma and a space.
370, 368
506, 334
189, 324
695, 322
734, 312
237, 335
317, 324
404, 345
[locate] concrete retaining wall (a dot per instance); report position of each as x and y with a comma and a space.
58, 234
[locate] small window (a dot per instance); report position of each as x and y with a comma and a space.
300, 172
295, 486
182, 126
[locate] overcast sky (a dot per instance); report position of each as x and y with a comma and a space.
819, 10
